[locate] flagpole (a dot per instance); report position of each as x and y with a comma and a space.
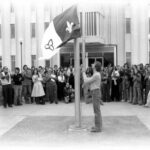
83, 39
77, 83
78, 126
83, 50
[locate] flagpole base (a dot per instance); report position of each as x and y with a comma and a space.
77, 128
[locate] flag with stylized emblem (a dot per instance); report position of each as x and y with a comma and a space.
63, 28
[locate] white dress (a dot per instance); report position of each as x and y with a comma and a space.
37, 90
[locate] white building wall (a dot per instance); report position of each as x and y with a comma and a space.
19, 27
143, 31
127, 36
40, 31
135, 34
27, 35
120, 36
6, 61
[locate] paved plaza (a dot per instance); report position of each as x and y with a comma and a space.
124, 126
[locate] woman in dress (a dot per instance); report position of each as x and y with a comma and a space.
38, 91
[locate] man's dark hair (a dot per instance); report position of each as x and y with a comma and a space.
98, 66
17, 68
24, 67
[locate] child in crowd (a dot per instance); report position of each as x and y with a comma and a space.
68, 93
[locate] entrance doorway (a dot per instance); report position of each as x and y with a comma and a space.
92, 60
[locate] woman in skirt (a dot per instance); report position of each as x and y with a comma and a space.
38, 91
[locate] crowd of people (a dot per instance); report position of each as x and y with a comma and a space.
128, 84
47, 84
37, 85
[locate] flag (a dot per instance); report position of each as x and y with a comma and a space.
63, 28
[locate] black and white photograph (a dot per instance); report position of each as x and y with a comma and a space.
75, 74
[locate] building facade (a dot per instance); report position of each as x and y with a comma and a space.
112, 33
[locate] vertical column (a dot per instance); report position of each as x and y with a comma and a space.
77, 83
134, 34
120, 35
113, 24
27, 34
143, 38
20, 52
40, 32
6, 34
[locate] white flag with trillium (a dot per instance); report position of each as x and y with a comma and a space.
63, 28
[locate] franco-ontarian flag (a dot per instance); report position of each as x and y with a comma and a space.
63, 28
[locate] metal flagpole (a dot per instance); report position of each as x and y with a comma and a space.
77, 83
83, 50
83, 39
78, 126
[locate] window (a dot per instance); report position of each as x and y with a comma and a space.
12, 30
33, 30
90, 23
81, 22
46, 7
33, 9
12, 8
149, 25
46, 24
0, 61
33, 60
128, 25
0, 32
13, 63
47, 63
128, 58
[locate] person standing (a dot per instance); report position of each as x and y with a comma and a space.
95, 82
6, 87
51, 87
61, 85
27, 83
17, 80
37, 91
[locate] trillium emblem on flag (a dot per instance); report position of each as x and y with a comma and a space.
49, 45
63, 28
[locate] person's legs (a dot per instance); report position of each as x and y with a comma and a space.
55, 94
15, 94
19, 94
9, 93
4, 91
139, 96
97, 112
135, 95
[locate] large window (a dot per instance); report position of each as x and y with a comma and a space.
13, 63
0, 61
0, 32
90, 23
81, 22
12, 30
33, 30
46, 24
128, 25
128, 57
149, 24
12, 8
47, 63
33, 60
